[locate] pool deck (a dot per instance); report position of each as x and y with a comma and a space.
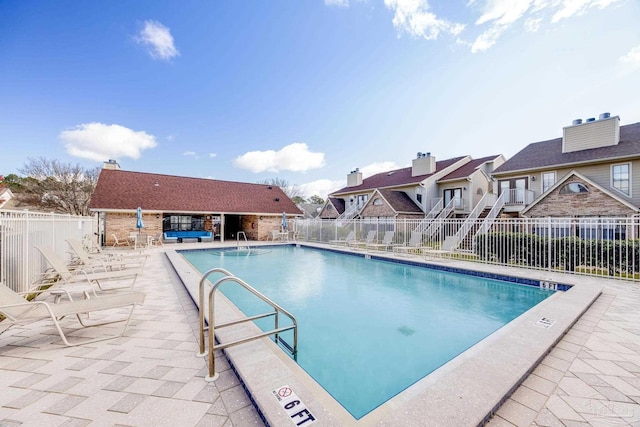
151, 376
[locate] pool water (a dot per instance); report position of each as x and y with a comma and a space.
368, 329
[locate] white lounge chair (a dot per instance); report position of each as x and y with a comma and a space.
413, 247
119, 242
67, 276
102, 261
18, 310
387, 242
357, 244
350, 237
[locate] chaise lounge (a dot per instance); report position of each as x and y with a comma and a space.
18, 310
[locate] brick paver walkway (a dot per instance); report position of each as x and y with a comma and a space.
151, 376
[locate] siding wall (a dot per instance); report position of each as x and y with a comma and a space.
600, 133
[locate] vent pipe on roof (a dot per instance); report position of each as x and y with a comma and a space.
604, 116
577, 122
591, 119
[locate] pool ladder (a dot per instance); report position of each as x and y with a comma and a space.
246, 242
228, 277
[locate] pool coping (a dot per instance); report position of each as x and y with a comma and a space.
465, 391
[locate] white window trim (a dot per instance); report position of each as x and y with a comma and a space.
555, 180
630, 179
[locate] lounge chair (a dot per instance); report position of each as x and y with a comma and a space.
350, 237
18, 310
387, 242
357, 244
413, 247
104, 262
66, 276
119, 242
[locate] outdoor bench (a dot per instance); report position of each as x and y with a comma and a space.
184, 236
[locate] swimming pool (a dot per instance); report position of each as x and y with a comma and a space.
356, 315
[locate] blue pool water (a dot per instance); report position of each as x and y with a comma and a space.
368, 329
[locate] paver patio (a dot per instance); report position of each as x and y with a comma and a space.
151, 377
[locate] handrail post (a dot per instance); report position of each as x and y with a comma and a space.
202, 352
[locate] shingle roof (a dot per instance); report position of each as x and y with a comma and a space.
337, 203
125, 190
549, 153
395, 178
400, 201
467, 169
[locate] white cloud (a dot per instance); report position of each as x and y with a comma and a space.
98, 141
293, 157
500, 15
578, 7
378, 167
212, 155
414, 18
191, 154
321, 187
632, 59
338, 3
158, 40
532, 25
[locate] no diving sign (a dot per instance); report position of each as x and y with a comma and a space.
293, 406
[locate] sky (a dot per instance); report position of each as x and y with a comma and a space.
305, 91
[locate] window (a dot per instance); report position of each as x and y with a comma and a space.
185, 223
548, 179
574, 188
621, 178
377, 201
419, 198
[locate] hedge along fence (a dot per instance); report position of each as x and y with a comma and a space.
571, 254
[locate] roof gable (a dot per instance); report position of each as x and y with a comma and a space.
396, 178
125, 190
400, 201
577, 174
547, 154
467, 169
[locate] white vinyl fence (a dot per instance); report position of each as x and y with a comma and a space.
21, 231
608, 247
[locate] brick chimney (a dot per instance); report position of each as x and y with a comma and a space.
423, 164
592, 133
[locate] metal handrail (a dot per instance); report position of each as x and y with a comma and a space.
238, 239
212, 347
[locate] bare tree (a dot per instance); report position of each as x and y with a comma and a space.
291, 190
61, 187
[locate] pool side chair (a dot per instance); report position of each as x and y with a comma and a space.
343, 242
414, 246
18, 310
446, 251
358, 244
119, 242
100, 262
387, 242
274, 235
67, 277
